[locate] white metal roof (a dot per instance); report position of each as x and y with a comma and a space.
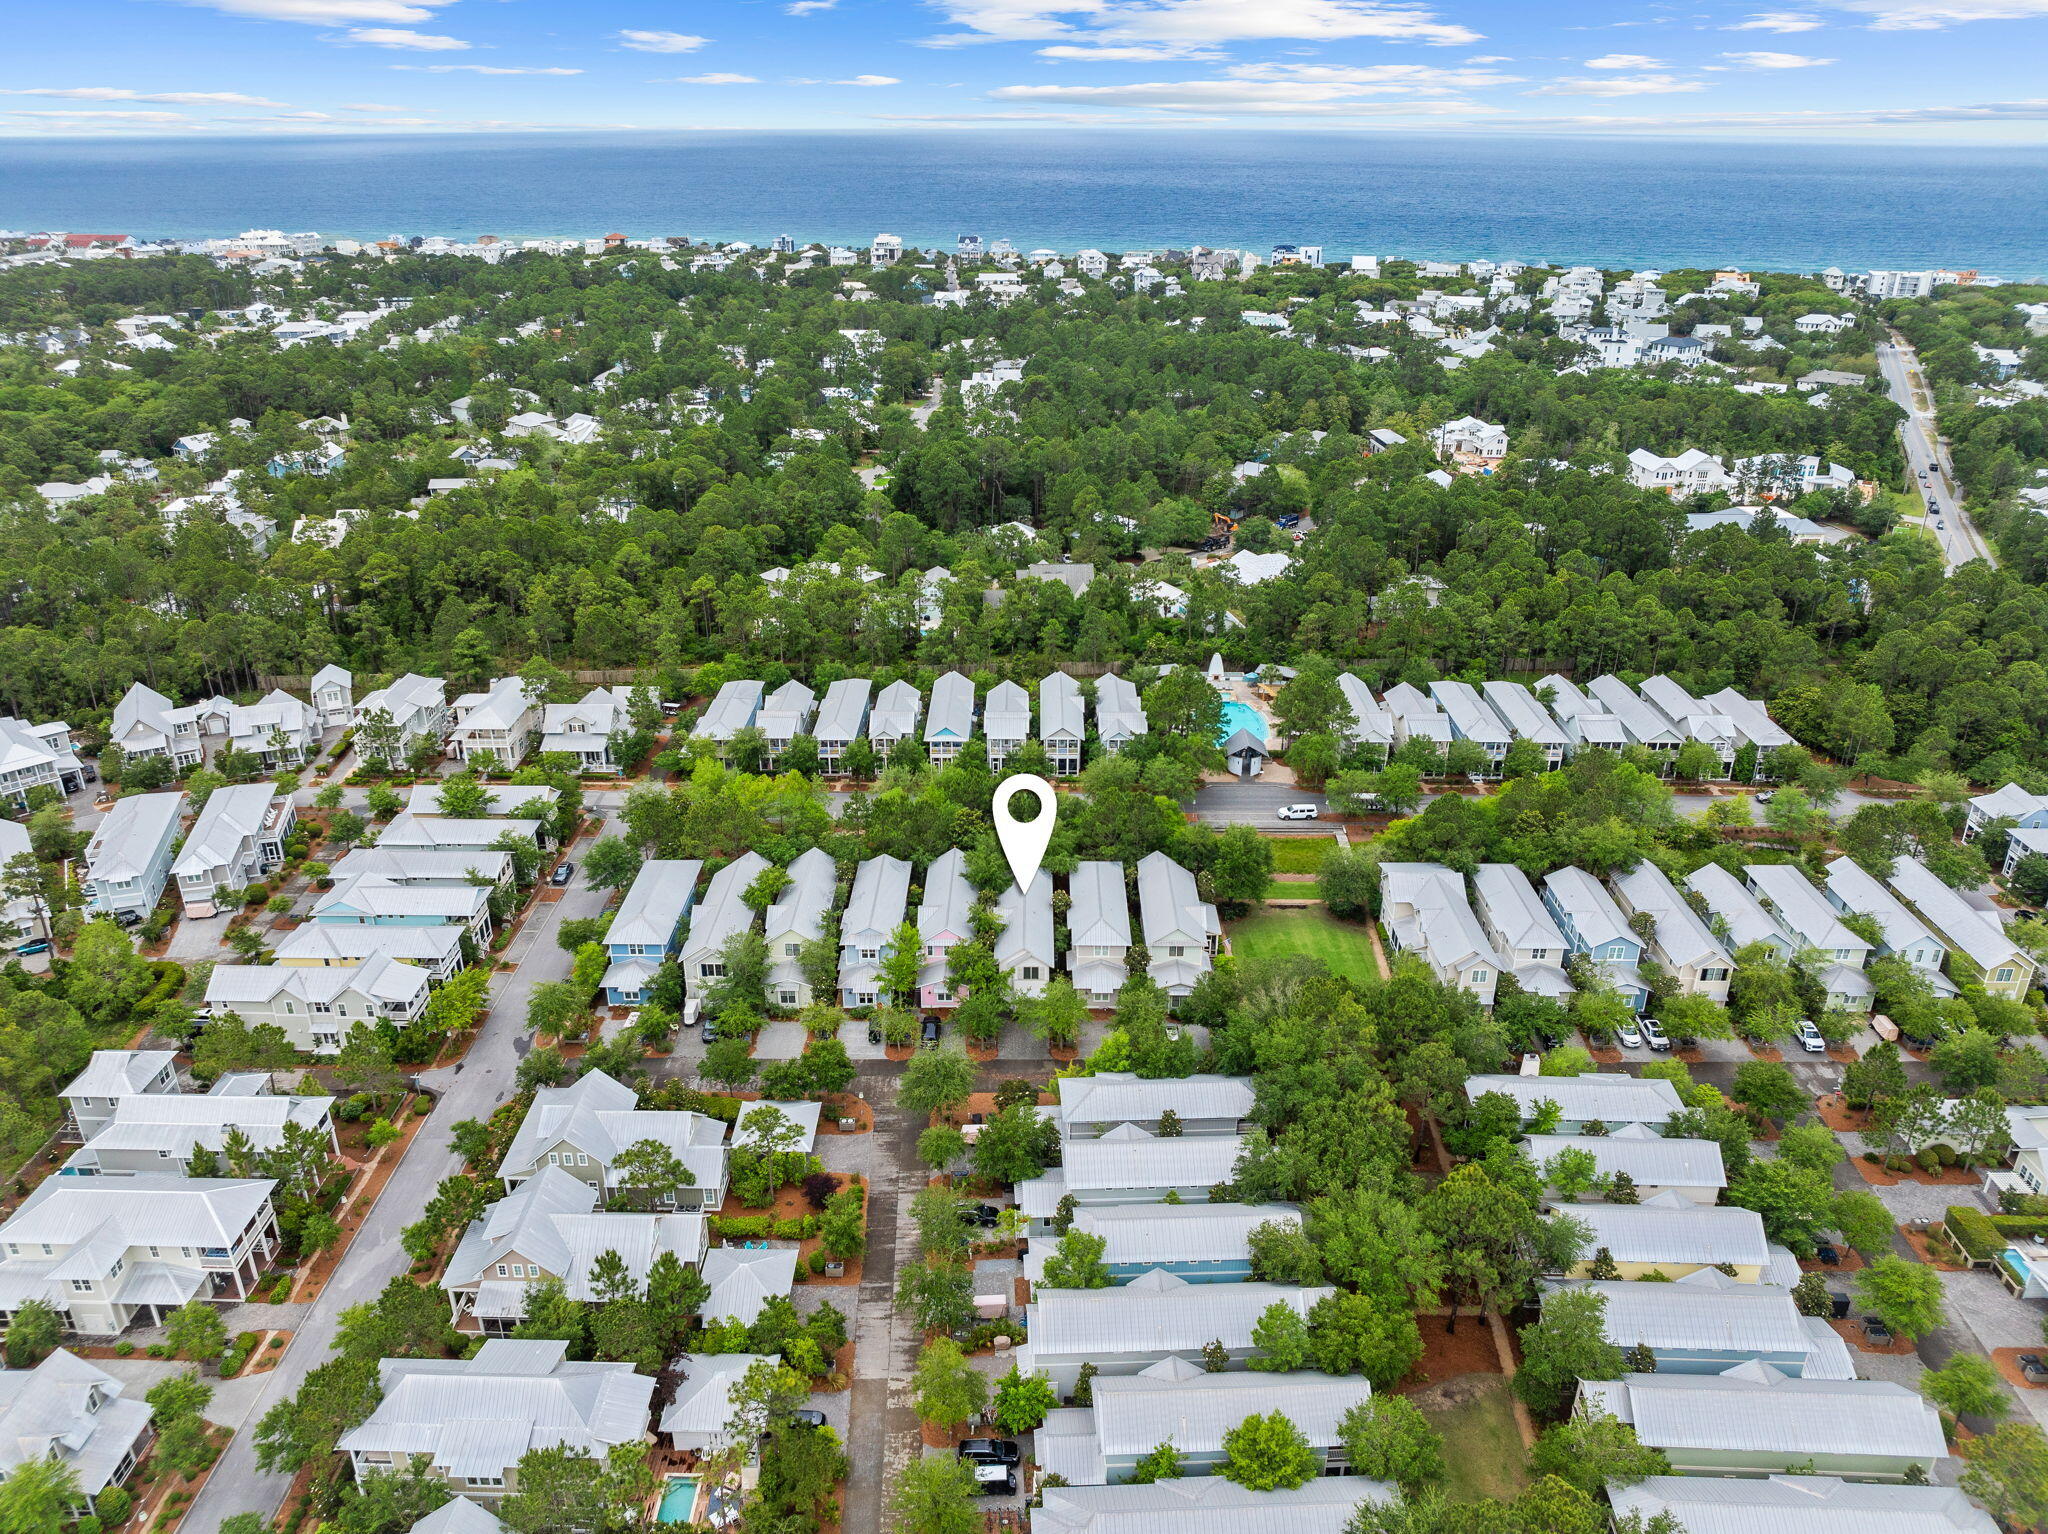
1800, 1504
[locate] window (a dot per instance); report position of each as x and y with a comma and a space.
554, 1158
487, 1480
582, 1159
1481, 976
2004, 976
1175, 951
1539, 954
790, 950
787, 996
863, 998
321, 1006
870, 953
711, 970
1028, 972
82, 1285
501, 1270
1713, 974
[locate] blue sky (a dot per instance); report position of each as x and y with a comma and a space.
1960, 71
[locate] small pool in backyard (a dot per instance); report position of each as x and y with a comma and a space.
678, 1500
1241, 716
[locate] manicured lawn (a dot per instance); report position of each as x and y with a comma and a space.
1293, 889
1299, 854
1482, 1446
1342, 945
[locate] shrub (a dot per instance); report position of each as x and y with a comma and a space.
1930, 1160
816, 1261
1973, 1230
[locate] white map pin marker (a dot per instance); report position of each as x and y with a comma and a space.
1024, 841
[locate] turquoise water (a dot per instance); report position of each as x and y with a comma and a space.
1635, 202
1241, 716
679, 1500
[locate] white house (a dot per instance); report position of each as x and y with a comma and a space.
1423, 910
69, 1411
1696, 960
333, 696
1005, 722
582, 1128
1062, 722
238, 838
316, 1006
1098, 931
37, 756
798, 917
1025, 949
496, 726
128, 860
399, 717
881, 891
1692, 472
587, 729
719, 917
1181, 930
1470, 437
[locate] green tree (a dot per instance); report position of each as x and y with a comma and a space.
1022, 1401
37, 1497
1351, 1334
934, 1495
1076, 1263
611, 863
1767, 1088
33, 1333
935, 1081
340, 1394
1567, 1345
1388, 1439
1967, 1385
569, 1488
1161, 1463
1864, 1221
1906, 1296
948, 1390
1269, 1453
2007, 1471
1592, 1451
196, 1330
1015, 1145
1281, 1336
652, 1172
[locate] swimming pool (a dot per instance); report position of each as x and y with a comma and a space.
1241, 716
678, 1500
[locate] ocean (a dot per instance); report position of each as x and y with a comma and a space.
1607, 202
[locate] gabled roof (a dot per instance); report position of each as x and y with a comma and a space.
845, 709
787, 710
1119, 1097
1129, 1157
1737, 907
1007, 713
1521, 713
1118, 713
1643, 722
1100, 914
129, 837
655, 903
744, 1279
1169, 904
1161, 1234
1799, 1504
1511, 904
1156, 1313
150, 1208
1801, 908
68, 1410
896, 711
1470, 714
1613, 1097
1977, 933
702, 1405
881, 887
723, 912
1671, 1228
799, 912
477, 1417
951, 715
1027, 922
1756, 725
379, 977
1756, 1407
1060, 711
1208, 1504
948, 904
1593, 912
732, 710
119, 1072
1683, 937
1648, 1157
601, 1117
460, 1516
552, 1219
1709, 1312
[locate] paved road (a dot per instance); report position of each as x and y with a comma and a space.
1253, 803
470, 1091
1958, 535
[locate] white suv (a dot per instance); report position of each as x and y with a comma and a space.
1298, 812
1810, 1039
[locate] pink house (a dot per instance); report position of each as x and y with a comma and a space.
943, 919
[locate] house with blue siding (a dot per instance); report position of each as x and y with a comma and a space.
1129, 1166
128, 861
1594, 926
648, 927
881, 892
1202, 1243
1706, 1322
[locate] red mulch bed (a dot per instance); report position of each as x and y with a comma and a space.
1851, 1261
1852, 1333
1924, 1249
1605, 1054
1468, 1350
2007, 1362
1767, 1052
1835, 1112
1948, 1177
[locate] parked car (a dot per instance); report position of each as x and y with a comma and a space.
127, 918
930, 1031
564, 872
982, 1216
805, 1416
2032, 1368
874, 1031
1767, 796
1876, 1332
1826, 1255
1297, 812
991, 1451
1810, 1039
1630, 1035
708, 1032
1654, 1034
39, 946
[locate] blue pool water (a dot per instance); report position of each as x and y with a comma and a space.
679, 1500
1241, 716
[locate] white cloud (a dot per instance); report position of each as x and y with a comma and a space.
1778, 21
405, 37
1930, 15
321, 13
1769, 60
662, 42
373, 106
805, 7
1626, 61
867, 80
478, 69
1129, 53
1378, 79
1618, 85
1265, 97
1063, 119
2035, 110
176, 98
84, 114
711, 79
1196, 21
1490, 58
